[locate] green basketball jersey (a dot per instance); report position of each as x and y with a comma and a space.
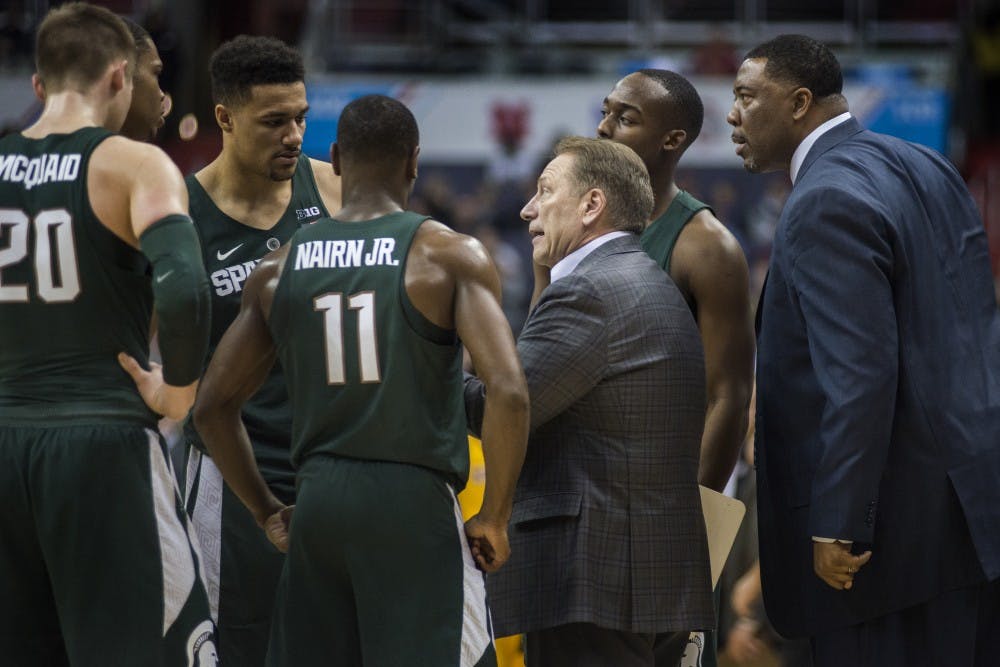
72, 294
660, 237
369, 376
231, 250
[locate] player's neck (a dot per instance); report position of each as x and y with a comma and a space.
250, 199
364, 203
67, 112
664, 191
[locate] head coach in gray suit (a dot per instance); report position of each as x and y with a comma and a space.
607, 539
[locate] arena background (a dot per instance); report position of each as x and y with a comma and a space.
494, 83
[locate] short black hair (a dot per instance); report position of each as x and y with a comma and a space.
801, 61
139, 34
248, 60
376, 128
686, 101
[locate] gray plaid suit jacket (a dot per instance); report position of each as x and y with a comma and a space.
607, 525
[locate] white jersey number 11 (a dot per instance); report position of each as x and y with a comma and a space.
331, 305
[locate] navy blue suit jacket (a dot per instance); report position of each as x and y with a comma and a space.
878, 408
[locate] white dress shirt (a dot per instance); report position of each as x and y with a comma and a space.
799, 156
565, 266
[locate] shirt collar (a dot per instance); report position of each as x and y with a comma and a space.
565, 266
799, 156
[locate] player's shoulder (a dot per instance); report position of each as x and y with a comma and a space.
130, 158
268, 270
707, 260
443, 240
123, 147
705, 237
319, 167
323, 172
261, 284
327, 182
458, 253
272, 263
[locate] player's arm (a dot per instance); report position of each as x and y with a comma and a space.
239, 366
328, 184
486, 334
715, 272
158, 223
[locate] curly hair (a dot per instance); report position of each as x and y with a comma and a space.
247, 61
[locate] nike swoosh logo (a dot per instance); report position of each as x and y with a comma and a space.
222, 256
160, 279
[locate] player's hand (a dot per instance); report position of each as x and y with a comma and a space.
746, 593
276, 528
488, 543
162, 398
834, 563
743, 645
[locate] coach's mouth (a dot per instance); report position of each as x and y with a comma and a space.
740, 142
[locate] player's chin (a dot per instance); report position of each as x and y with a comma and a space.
282, 174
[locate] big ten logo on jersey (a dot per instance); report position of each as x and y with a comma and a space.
306, 213
230, 279
201, 650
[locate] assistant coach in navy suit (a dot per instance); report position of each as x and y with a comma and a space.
878, 397
607, 538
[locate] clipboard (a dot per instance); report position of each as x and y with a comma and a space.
723, 516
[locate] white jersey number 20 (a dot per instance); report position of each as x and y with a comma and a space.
52, 225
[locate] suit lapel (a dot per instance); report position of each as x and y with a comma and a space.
832, 137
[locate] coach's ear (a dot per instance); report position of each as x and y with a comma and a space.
335, 157
593, 204
802, 99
